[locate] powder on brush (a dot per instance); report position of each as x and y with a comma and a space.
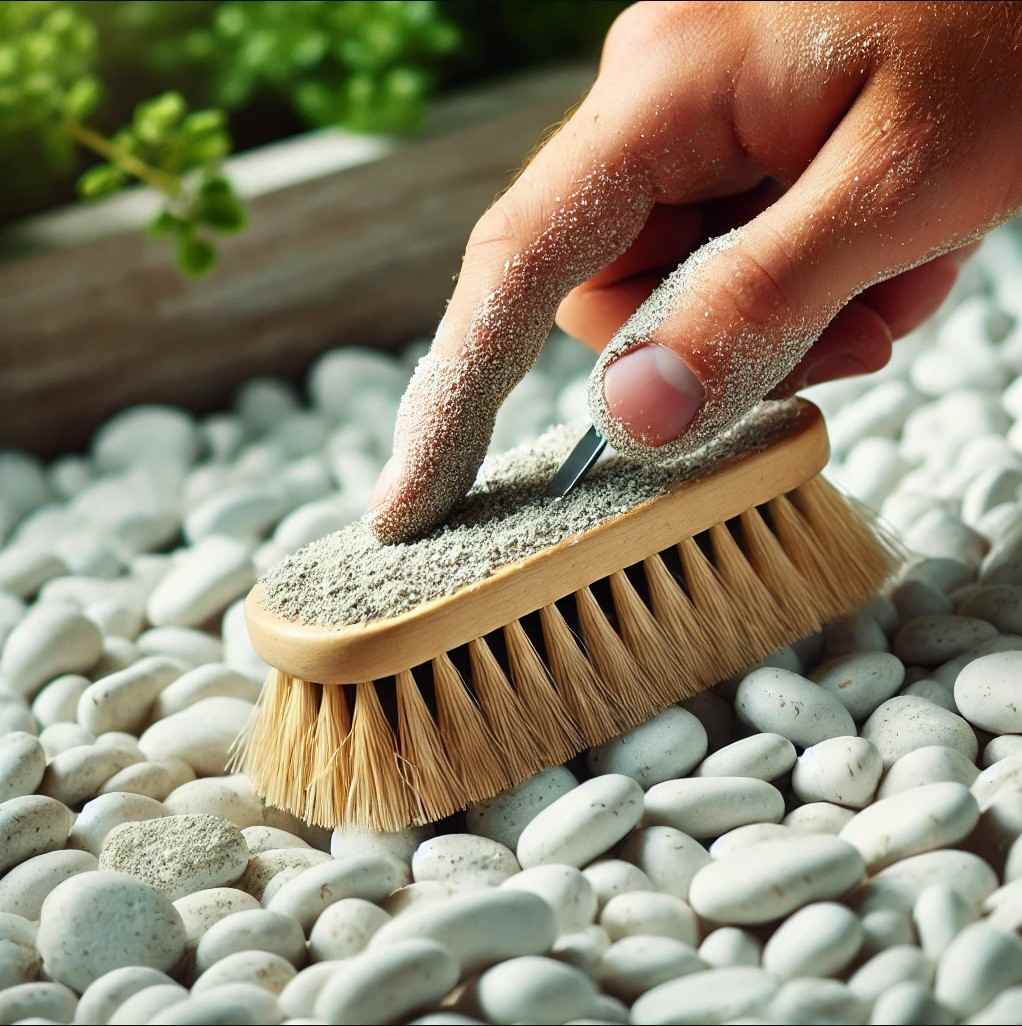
350, 577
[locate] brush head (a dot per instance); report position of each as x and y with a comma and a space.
381, 648
409, 718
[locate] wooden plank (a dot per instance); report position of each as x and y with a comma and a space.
366, 255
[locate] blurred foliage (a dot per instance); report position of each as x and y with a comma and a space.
72, 73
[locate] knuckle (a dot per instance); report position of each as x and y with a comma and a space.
752, 289
496, 233
639, 28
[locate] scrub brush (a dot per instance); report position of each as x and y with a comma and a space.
408, 719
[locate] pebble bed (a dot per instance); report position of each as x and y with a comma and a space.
833, 838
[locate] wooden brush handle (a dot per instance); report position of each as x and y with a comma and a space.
381, 648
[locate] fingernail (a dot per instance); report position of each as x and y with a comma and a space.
384, 483
833, 367
653, 393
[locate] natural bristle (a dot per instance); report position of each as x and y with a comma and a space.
676, 623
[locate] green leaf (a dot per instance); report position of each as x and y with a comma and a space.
167, 225
82, 98
155, 118
195, 256
101, 180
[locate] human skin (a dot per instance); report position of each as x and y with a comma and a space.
861, 149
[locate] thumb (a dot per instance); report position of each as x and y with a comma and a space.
733, 322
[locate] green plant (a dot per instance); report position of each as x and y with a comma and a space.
48, 90
178, 153
73, 73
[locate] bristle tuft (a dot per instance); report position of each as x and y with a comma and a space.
788, 587
431, 779
583, 690
466, 737
505, 714
378, 796
551, 721
613, 661
666, 673
327, 788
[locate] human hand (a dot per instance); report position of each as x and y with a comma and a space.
857, 150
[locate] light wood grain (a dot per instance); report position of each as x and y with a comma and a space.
366, 255
384, 647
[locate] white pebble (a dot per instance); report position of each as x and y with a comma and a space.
853, 634
266, 867
370, 877
815, 1000
565, 889
202, 910
731, 946
25, 887
132, 436
818, 818
900, 964
121, 701
107, 993
96, 922
907, 1004
711, 996
819, 940
251, 930
985, 692
929, 764
51, 640
706, 807
747, 836
355, 840
610, 877
940, 914
384, 985
260, 968
30, 825
201, 734
861, 681
463, 924
905, 723
202, 584
649, 914
899, 885
582, 949
668, 857
504, 818
535, 990
764, 756
48, 1002
786, 703
464, 860
912, 822
979, 963
231, 798
146, 1004
22, 764
76, 774
582, 824
634, 965
178, 855
769, 880
344, 929
843, 770
664, 748
26, 566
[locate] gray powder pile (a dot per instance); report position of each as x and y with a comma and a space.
178, 855
350, 577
